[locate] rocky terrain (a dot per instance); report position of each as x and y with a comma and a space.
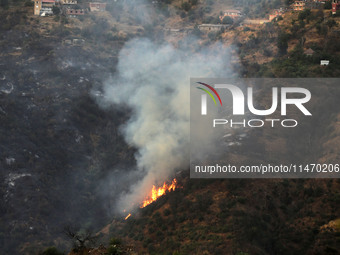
59, 144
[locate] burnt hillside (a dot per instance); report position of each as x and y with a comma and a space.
60, 144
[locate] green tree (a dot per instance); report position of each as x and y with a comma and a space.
302, 24
197, 32
328, 5
186, 6
212, 36
115, 247
52, 251
29, 3
55, 10
288, 2
282, 43
81, 239
319, 14
227, 20
330, 23
304, 14
4, 3
322, 29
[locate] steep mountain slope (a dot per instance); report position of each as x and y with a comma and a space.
58, 145
238, 217
53, 133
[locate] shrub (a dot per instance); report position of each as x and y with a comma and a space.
52, 251
304, 14
115, 241
55, 10
29, 3
212, 35
204, 201
186, 6
115, 247
114, 250
282, 43
227, 20
330, 23
4, 3
64, 20
167, 212
328, 5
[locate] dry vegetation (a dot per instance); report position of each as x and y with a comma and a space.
202, 217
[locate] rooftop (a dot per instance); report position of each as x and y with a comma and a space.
237, 11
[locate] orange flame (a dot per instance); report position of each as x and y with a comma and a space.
128, 216
158, 192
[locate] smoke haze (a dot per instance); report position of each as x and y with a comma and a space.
154, 81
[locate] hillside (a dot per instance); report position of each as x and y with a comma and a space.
238, 217
60, 145
52, 131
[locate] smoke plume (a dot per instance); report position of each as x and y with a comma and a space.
154, 81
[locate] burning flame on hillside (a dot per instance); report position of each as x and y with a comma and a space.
158, 192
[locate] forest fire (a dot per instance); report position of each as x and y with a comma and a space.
158, 192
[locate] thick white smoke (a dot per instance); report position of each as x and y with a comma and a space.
154, 81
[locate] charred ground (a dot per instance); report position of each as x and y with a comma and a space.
57, 143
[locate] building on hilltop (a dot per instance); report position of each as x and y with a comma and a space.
324, 62
309, 52
234, 14
276, 13
43, 7
299, 5
212, 27
73, 42
307, 4
75, 12
68, 2
335, 6
255, 22
314, 4
97, 7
